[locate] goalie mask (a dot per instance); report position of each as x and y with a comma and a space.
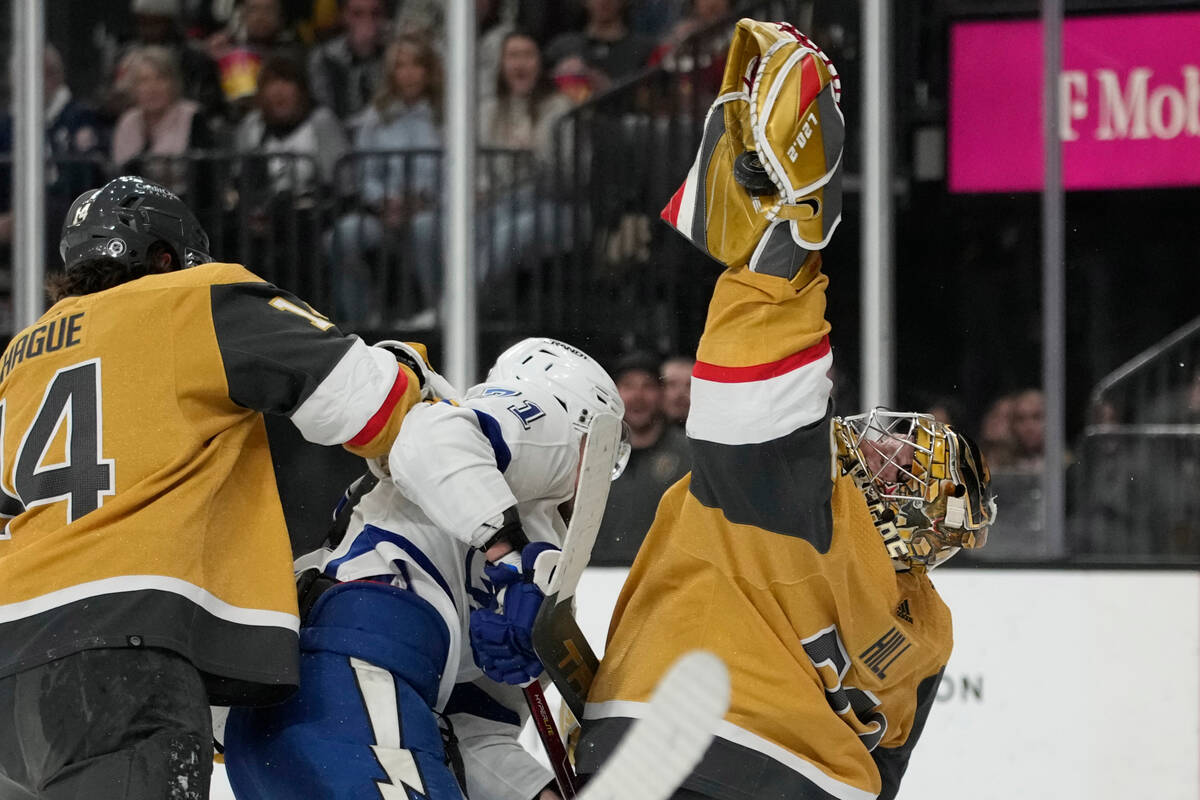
926, 485
577, 381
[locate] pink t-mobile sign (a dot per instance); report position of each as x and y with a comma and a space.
1129, 108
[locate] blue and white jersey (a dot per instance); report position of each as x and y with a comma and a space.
452, 469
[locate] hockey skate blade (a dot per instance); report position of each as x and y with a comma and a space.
661, 749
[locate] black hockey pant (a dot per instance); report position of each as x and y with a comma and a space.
107, 724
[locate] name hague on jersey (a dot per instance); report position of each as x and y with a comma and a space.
49, 337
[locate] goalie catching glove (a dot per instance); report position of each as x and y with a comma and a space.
765, 188
502, 632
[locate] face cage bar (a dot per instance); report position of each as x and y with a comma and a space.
900, 429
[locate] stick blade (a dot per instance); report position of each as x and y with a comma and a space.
661, 749
565, 653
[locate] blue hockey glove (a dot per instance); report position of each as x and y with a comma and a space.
501, 634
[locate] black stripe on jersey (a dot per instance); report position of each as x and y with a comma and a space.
728, 771
893, 761
782, 486
247, 665
274, 357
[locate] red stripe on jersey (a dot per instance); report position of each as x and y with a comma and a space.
760, 372
671, 212
810, 83
380, 418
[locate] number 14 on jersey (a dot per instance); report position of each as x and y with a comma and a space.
69, 414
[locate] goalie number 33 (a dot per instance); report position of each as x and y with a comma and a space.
83, 477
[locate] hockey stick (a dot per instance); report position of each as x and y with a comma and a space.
547, 731
559, 643
661, 749
591, 496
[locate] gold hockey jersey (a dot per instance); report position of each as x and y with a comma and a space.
136, 480
765, 557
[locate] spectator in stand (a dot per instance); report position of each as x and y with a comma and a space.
493, 19
494, 30
396, 193
655, 19
943, 408
701, 63
72, 127
1029, 429
659, 458
526, 103
315, 20
345, 71
258, 32
162, 123
158, 23
676, 376
700, 14
521, 116
548, 20
421, 17
293, 146
575, 79
996, 437
286, 120
606, 42
73, 134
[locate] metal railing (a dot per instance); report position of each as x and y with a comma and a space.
364, 242
266, 211
1159, 385
1137, 494
1136, 481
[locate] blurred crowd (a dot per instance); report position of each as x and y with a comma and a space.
323, 78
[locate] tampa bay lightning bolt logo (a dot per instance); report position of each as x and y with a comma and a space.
527, 413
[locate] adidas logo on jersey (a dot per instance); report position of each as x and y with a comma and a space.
902, 611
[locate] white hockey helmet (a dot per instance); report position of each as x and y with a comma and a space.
577, 381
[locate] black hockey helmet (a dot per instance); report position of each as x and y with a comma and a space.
124, 218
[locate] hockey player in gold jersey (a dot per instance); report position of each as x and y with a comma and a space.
798, 548
145, 568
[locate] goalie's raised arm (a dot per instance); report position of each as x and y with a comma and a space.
763, 197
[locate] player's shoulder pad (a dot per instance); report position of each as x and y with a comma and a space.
212, 274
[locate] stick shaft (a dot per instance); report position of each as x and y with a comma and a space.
547, 731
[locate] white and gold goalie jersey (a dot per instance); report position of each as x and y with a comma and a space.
136, 480
762, 556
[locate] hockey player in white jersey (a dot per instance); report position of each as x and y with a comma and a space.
469, 501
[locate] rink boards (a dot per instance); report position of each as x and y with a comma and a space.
1064, 684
